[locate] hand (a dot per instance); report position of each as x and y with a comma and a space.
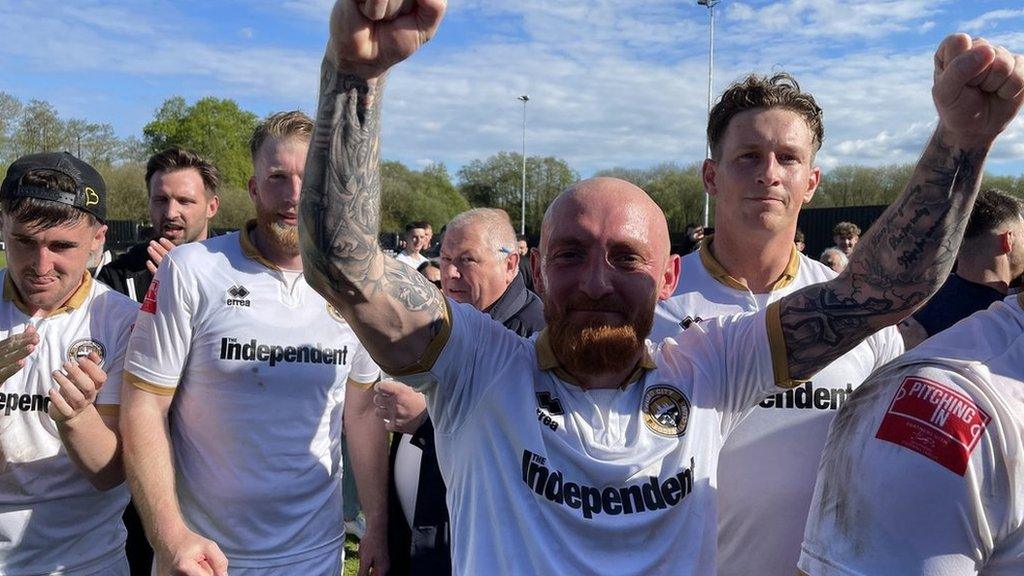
978, 88
402, 408
13, 351
157, 249
189, 554
370, 36
77, 387
373, 550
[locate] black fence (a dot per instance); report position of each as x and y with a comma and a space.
817, 224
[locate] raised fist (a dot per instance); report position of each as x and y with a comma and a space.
370, 36
978, 89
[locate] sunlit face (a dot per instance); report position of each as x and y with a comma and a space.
415, 240
473, 270
274, 189
846, 243
47, 265
522, 247
601, 272
179, 207
763, 174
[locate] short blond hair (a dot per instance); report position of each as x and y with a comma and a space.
291, 124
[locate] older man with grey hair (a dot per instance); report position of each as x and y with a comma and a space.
479, 266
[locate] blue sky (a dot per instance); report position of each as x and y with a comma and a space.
611, 82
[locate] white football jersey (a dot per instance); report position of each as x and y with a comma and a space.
545, 477
768, 464
257, 362
923, 472
52, 520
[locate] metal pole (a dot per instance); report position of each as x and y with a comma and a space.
522, 213
711, 84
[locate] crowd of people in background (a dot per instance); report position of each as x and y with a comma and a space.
594, 403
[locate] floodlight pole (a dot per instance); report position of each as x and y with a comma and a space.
522, 215
711, 82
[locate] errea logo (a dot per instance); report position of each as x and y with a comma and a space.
238, 296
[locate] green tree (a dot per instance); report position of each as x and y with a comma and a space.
676, 189
39, 129
217, 129
497, 183
408, 195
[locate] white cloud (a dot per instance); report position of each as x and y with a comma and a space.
611, 82
990, 19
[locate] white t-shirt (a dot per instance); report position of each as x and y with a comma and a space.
257, 363
546, 478
768, 464
923, 472
52, 520
414, 260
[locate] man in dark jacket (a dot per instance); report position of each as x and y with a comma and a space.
182, 190
479, 266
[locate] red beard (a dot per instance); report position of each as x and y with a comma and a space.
593, 348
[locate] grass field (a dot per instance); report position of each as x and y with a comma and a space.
351, 556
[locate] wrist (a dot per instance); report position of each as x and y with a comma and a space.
961, 141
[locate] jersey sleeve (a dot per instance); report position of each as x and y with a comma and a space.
477, 354
886, 344
916, 478
729, 358
118, 317
160, 343
364, 370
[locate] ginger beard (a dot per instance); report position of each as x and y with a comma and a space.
284, 236
586, 347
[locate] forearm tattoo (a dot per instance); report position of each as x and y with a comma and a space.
340, 206
900, 263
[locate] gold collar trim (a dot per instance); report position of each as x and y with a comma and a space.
720, 274
546, 360
75, 301
249, 247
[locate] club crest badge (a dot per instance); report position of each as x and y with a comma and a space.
81, 348
666, 411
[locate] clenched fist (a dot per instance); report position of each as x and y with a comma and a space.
370, 36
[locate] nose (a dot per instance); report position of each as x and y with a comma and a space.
769, 173
450, 271
295, 189
596, 280
43, 263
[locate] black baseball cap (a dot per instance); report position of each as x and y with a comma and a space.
90, 193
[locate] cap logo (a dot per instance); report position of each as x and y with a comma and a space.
91, 197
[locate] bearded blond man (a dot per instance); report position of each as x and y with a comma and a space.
263, 375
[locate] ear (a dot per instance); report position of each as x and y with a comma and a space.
1006, 240
511, 266
813, 179
670, 277
708, 173
98, 239
251, 185
538, 274
212, 205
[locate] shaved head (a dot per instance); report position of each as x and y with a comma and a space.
602, 265
611, 197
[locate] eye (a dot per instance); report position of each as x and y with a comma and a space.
628, 260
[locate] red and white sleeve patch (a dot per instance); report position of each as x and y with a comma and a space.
149, 302
936, 421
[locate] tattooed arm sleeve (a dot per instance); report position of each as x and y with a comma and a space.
899, 263
394, 310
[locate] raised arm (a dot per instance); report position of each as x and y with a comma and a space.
394, 310
978, 90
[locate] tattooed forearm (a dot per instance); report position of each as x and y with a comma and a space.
902, 261
340, 217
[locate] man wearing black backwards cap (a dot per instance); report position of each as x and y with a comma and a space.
62, 336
